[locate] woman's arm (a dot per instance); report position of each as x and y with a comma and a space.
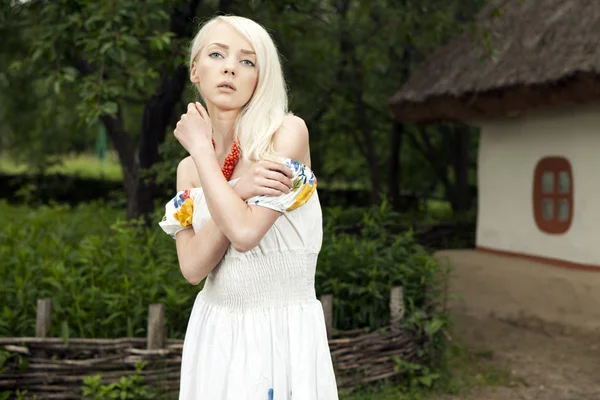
245, 225
200, 252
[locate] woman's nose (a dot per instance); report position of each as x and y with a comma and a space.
229, 67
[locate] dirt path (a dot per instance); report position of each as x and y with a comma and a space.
541, 362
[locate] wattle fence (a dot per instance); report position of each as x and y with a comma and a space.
52, 368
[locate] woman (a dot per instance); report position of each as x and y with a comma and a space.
257, 330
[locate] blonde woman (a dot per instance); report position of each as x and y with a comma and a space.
257, 330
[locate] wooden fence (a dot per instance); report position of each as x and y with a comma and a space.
55, 369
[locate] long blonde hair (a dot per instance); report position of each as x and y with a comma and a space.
263, 114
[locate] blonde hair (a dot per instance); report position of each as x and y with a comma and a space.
263, 114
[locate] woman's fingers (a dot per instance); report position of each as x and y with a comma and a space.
276, 172
278, 167
275, 185
280, 179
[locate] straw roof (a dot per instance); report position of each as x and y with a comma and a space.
546, 54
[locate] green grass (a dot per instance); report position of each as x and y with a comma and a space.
83, 165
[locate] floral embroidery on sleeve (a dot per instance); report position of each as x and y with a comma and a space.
179, 213
304, 184
185, 207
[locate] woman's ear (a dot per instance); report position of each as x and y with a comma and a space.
193, 74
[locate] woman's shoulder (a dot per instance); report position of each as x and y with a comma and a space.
295, 125
291, 139
187, 174
294, 120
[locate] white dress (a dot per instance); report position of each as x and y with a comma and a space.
257, 330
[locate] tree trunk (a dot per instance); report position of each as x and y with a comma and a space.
156, 118
396, 140
125, 151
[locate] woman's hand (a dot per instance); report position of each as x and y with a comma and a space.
264, 177
194, 129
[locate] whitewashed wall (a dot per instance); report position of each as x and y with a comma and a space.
509, 151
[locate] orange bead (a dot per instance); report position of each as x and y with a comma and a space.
230, 161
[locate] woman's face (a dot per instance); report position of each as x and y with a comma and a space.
225, 69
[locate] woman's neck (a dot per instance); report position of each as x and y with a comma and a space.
223, 123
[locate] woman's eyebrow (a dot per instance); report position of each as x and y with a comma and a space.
224, 46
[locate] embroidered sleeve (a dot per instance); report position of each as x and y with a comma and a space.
178, 213
304, 185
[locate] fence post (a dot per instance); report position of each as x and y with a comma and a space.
327, 303
156, 327
396, 307
43, 318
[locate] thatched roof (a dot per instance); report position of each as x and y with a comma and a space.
547, 54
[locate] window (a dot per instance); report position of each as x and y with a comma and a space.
553, 195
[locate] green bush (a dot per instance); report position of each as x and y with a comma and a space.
102, 273
360, 269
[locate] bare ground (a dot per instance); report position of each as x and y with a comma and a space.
540, 361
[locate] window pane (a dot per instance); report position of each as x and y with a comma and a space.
564, 182
563, 210
548, 182
548, 209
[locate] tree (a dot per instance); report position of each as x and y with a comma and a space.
115, 59
111, 63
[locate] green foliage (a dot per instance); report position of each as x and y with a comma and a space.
360, 270
73, 61
120, 46
17, 395
8, 359
165, 172
128, 387
70, 61
100, 274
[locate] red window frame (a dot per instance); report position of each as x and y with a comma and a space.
556, 165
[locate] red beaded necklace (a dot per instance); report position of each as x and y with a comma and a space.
231, 160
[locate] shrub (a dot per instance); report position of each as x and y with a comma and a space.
102, 273
360, 269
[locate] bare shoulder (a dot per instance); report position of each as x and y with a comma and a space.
187, 174
292, 139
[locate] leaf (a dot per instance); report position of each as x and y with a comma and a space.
110, 108
105, 47
434, 326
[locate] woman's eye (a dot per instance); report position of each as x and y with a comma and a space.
215, 55
248, 63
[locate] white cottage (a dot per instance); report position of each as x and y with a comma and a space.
537, 103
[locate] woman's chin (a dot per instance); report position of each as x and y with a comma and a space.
225, 104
